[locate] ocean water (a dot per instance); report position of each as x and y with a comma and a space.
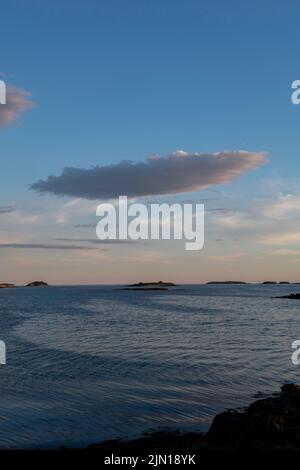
88, 363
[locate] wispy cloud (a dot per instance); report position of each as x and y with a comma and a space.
7, 209
283, 238
223, 210
260, 221
272, 221
226, 257
285, 252
235, 220
17, 102
177, 173
283, 207
95, 241
44, 246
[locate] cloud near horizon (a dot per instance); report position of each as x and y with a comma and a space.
42, 246
17, 102
176, 173
291, 237
97, 241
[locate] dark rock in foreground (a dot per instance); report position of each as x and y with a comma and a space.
267, 424
5, 286
290, 296
37, 284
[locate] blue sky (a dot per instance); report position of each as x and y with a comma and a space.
114, 80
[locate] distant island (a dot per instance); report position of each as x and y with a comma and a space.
243, 282
150, 284
157, 285
37, 284
5, 285
161, 285
226, 282
145, 288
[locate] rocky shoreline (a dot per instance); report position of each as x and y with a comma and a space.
268, 424
289, 296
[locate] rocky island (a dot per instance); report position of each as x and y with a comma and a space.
142, 286
5, 285
37, 284
159, 284
226, 282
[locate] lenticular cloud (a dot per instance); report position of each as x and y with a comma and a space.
176, 173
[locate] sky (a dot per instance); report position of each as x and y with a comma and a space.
165, 101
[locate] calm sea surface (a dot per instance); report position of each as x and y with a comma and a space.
90, 363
